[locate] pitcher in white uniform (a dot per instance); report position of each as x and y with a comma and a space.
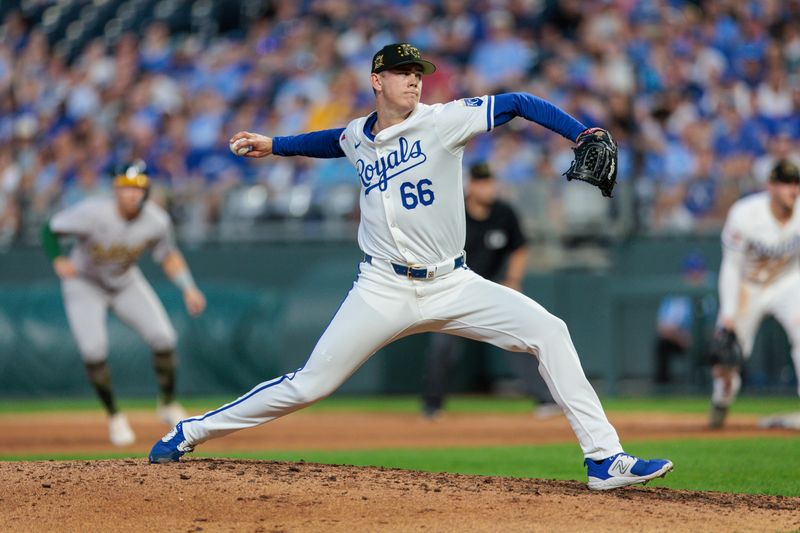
760, 275
101, 273
414, 279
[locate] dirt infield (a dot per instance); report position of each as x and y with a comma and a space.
235, 495
61, 433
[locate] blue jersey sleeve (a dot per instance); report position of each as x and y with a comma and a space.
322, 144
535, 109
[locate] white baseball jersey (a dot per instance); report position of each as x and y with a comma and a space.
109, 246
412, 201
770, 250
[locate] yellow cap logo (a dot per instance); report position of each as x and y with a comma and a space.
378, 62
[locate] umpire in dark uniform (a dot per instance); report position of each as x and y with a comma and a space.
494, 240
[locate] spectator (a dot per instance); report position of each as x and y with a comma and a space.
86, 184
682, 319
501, 59
654, 70
10, 178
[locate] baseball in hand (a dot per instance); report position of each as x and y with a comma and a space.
238, 149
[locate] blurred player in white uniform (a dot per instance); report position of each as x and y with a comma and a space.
759, 275
414, 278
101, 273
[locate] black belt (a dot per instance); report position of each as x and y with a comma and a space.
414, 272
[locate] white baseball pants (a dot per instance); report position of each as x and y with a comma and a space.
780, 299
136, 304
382, 307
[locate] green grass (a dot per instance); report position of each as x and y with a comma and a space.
745, 465
411, 404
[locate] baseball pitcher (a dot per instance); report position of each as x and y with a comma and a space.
759, 275
101, 272
413, 279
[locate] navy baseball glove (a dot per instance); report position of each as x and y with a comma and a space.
725, 350
595, 160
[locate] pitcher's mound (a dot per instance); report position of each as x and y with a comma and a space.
236, 495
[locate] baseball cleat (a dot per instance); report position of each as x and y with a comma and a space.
171, 447
622, 470
171, 413
119, 431
716, 417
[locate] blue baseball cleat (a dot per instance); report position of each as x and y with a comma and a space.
621, 470
171, 447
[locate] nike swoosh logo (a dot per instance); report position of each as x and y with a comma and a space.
357, 145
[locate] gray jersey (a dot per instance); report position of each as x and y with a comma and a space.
109, 246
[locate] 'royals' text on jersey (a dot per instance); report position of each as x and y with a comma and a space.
412, 198
108, 246
770, 250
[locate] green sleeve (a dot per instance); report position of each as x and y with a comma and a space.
50, 242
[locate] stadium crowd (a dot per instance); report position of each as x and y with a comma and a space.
702, 96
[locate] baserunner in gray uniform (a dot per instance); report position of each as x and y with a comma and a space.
101, 271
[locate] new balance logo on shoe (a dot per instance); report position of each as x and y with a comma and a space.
621, 465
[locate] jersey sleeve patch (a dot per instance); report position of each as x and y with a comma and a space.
457, 121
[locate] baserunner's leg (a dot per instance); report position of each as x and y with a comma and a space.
86, 305
138, 306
